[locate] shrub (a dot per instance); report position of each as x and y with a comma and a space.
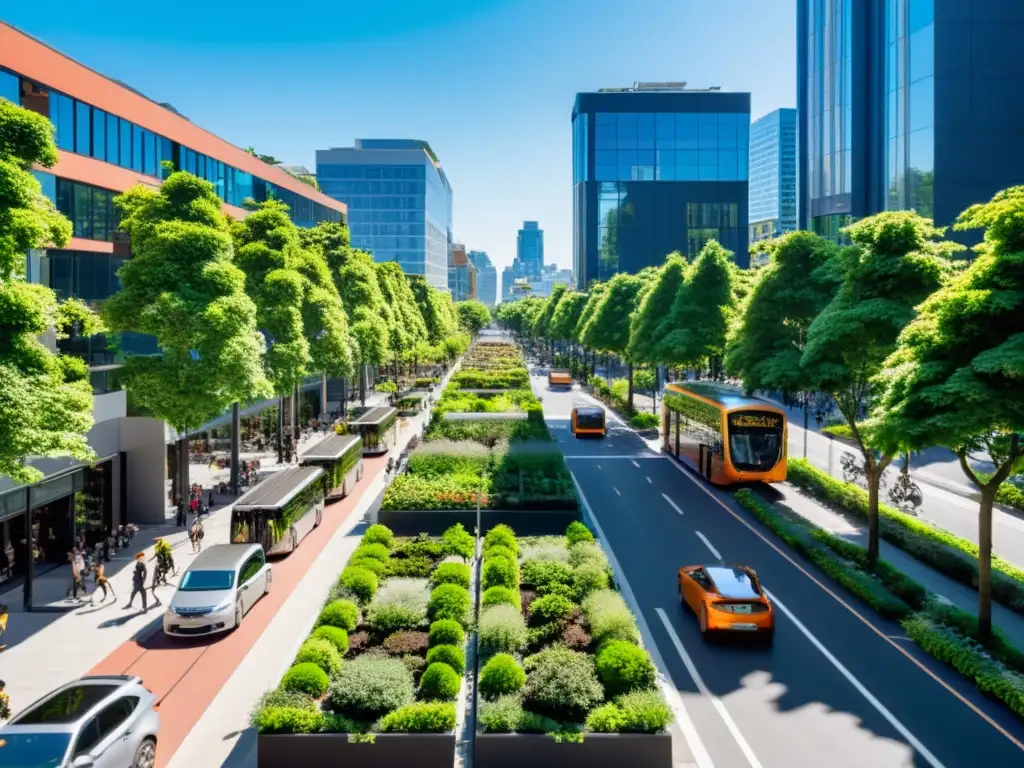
562, 684
447, 632
457, 541
451, 573
358, 641
501, 716
639, 712
451, 655
501, 675
556, 588
336, 636
575, 637
440, 682
550, 608
499, 572
339, 613
546, 549
587, 552
421, 717
368, 563
421, 546
399, 604
288, 720
360, 582
500, 596
588, 577
402, 643
416, 567
306, 678
499, 551
449, 601
610, 618
372, 551
624, 667
321, 652
501, 535
415, 664
540, 573
577, 532
502, 630
369, 686
378, 534
644, 420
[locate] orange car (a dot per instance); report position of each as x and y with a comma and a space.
727, 598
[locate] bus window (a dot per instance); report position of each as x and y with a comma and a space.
755, 440
589, 419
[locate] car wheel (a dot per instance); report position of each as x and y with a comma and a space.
238, 614
145, 755
319, 518
266, 589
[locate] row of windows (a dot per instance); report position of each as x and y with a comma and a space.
382, 203
725, 215
330, 171
91, 277
91, 210
374, 242
364, 228
386, 217
579, 148
670, 165
378, 187
727, 130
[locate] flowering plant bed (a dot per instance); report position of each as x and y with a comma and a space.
559, 655
385, 659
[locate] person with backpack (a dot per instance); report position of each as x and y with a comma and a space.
139, 582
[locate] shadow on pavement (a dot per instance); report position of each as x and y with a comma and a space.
244, 753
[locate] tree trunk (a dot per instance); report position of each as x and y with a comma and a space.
988, 493
873, 477
280, 429
629, 376
362, 384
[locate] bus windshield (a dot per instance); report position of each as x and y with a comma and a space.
755, 440
589, 419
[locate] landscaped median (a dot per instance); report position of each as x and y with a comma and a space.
561, 678
944, 631
378, 678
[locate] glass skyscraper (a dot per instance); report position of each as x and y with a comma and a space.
657, 168
906, 104
773, 174
486, 278
399, 202
530, 249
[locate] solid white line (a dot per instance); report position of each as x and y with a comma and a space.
633, 458
635, 464
674, 505
715, 701
682, 717
707, 544
861, 689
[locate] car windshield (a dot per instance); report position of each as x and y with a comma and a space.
33, 750
207, 581
589, 419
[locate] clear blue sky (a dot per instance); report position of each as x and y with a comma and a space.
489, 83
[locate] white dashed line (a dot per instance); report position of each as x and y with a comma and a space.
672, 503
635, 464
708, 544
649, 480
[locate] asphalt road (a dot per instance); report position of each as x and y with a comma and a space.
840, 688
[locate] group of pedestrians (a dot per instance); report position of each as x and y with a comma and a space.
82, 567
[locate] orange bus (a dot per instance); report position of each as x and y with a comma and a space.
559, 378
587, 421
723, 434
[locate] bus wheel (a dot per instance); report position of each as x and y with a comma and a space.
266, 586
295, 540
238, 614
319, 518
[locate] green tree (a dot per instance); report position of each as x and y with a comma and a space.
45, 398
766, 345
647, 326
405, 323
324, 321
895, 262
542, 323
182, 287
699, 320
956, 377
608, 328
473, 316
438, 314
564, 322
593, 294
364, 304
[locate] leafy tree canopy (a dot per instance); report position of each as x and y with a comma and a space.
647, 328
766, 346
594, 295
542, 322
182, 287
518, 316
608, 328
267, 249
567, 315
324, 322
401, 335
699, 320
473, 316
436, 308
364, 303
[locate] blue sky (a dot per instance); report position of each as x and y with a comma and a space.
489, 83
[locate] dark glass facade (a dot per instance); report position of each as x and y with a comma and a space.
530, 249
773, 174
656, 172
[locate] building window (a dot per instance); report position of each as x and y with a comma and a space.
83, 128
113, 133
91, 209
125, 156
99, 134
64, 121
10, 87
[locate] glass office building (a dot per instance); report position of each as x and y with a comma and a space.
486, 278
906, 104
772, 207
657, 168
399, 202
530, 249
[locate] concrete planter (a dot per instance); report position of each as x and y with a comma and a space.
598, 750
329, 750
434, 522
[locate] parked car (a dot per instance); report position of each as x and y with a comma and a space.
103, 721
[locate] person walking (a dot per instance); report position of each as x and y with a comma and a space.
102, 584
138, 582
196, 534
3, 624
158, 579
77, 580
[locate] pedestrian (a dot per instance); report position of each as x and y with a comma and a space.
101, 584
196, 534
5, 702
210, 500
3, 623
158, 578
138, 582
76, 577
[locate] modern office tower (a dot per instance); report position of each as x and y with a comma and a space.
486, 278
657, 168
530, 249
462, 274
508, 279
906, 104
111, 138
399, 202
772, 209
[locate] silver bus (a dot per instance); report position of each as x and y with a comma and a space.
280, 511
341, 458
377, 428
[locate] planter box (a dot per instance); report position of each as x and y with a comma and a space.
598, 750
434, 522
329, 750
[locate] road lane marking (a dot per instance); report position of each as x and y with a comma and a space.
861, 688
601, 457
716, 702
635, 464
617, 491
672, 503
700, 753
599, 466
708, 544
864, 620
649, 480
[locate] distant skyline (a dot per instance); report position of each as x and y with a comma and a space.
488, 83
